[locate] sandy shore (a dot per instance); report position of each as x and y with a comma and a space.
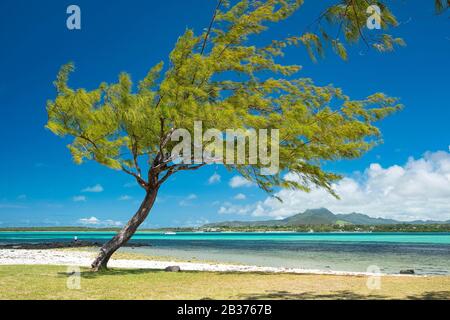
84, 259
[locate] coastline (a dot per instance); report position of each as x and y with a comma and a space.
84, 258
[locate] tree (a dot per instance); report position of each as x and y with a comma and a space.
221, 79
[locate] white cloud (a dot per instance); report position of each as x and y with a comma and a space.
420, 189
130, 185
215, 178
240, 196
229, 208
238, 181
22, 197
94, 221
125, 198
79, 199
184, 203
94, 189
54, 205
11, 206
195, 223
112, 223
187, 201
89, 221
192, 196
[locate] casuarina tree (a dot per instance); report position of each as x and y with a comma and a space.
224, 80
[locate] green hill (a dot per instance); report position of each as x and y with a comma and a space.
320, 216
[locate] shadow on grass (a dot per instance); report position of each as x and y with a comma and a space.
267, 295
339, 295
432, 295
285, 295
88, 274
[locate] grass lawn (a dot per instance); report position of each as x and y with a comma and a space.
49, 282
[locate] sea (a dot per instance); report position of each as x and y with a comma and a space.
425, 253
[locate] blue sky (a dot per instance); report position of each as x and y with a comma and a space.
40, 185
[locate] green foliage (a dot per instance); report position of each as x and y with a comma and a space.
441, 5
351, 16
220, 77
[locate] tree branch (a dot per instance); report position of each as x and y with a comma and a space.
144, 184
166, 176
210, 27
134, 150
175, 168
205, 40
359, 25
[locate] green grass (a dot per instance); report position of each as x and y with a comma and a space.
49, 282
342, 223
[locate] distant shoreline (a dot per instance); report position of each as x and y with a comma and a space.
397, 228
227, 232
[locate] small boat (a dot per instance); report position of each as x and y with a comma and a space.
170, 233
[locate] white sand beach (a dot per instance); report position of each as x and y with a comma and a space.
84, 259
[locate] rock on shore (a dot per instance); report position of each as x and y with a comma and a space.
62, 245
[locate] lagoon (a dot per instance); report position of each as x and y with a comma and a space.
397, 237
426, 253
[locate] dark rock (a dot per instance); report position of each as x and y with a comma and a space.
50, 245
61, 245
173, 269
407, 271
136, 245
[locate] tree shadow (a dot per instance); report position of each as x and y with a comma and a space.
432, 295
88, 274
339, 295
285, 295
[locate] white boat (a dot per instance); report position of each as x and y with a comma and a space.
169, 233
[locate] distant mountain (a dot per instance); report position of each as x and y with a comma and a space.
312, 216
362, 219
320, 216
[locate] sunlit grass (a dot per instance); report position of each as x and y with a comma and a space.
50, 282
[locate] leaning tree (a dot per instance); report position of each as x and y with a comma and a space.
220, 78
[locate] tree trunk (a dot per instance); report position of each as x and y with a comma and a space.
126, 233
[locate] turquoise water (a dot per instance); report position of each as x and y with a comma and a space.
431, 238
426, 253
